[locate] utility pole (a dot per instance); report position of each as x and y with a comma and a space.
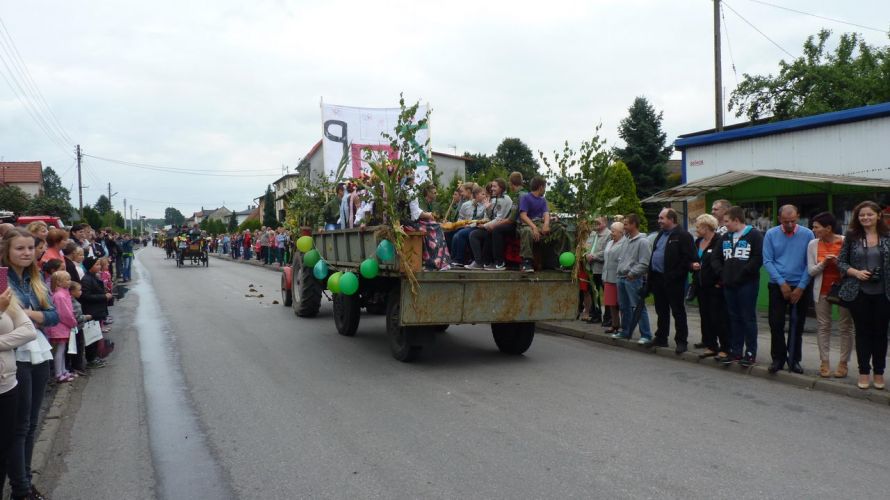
718, 71
125, 214
131, 218
79, 183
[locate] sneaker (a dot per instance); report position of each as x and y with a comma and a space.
748, 360
728, 360
645, 341
619, 335
96, 363
500, 266
446, 267
473, 266
456, 264
528, 267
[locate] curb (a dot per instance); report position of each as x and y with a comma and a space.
802, 381
251, 262
52, 422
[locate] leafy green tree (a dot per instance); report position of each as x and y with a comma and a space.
269, 218
855, 74
118, 220
515, 155
620, 187
102, 205
253, 225
52, 185
92, 217
646, 151
233, 223
478, 162
43, 205
15, 200
173, 217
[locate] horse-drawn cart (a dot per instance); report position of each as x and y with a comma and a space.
194, 251
510, 301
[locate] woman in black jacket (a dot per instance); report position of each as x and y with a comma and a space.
94, 300
708, 289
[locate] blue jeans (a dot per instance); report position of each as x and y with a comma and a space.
31, 388
628, 298
741, 304
330, 227
459, 244
127, 261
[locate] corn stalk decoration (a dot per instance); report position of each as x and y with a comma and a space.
585, 173
392, 184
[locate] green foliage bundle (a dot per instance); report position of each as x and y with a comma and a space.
306, 202
855, 74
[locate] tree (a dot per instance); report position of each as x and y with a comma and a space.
646, 151
92, 217
513, 154
855, 74
620, 187
118, 220
44, 205
12, 198
478, 162
173, 217
269, 218
253, 224
52, 186
102, 205
233, 223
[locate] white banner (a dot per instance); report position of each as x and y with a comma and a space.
351, 131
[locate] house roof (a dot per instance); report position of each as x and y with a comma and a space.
808, 122
21, 172
691, 190
456, 157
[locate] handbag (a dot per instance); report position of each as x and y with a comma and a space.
72, 341
92, 333
834, 293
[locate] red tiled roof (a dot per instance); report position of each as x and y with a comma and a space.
20, 172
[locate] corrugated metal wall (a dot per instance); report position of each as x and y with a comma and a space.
858, 148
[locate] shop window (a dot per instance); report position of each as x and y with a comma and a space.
759, 214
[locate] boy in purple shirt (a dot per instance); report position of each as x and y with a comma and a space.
535, 227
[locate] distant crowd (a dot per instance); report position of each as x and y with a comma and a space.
57, 287
267, 245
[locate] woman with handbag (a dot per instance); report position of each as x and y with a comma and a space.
822, 255
864, 262
708, 289
32, 359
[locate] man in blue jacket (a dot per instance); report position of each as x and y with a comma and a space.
785, 259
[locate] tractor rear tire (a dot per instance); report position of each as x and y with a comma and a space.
513, 338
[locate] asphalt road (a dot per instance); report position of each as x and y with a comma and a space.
259, 403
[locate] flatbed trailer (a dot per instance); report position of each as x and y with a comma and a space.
510, 301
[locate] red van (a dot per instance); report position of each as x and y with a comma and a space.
50, 220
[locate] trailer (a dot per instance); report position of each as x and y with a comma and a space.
510, 301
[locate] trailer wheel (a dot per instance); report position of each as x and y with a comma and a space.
347, 312
287, 295
308, 299
513, 338
399, 336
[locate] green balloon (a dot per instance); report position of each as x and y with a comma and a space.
369, 269
311, 258
320, 270
386, 251
567, 259
348, 283
304, 243
334, 282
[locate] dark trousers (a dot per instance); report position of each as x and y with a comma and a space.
495, 246
31, 388
76, 361
8, 407
871, 316
779, 309
478, 239
596, 304
714, 320
741, 305
669, 300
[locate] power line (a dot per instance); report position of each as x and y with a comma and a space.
35, 90
729, 45
182, 171
758, 30
841, 21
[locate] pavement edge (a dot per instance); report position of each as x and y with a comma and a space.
802, 381
52, 422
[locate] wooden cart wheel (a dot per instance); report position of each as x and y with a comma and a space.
513, 338
347, 312
399, 336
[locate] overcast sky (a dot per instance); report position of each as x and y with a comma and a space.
234, 87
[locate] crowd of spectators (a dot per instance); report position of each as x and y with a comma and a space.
267, 245
57, 287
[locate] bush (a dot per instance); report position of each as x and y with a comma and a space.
254, 225
620, 184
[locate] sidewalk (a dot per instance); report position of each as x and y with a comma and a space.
810, 350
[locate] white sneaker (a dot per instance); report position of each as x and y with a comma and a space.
473, 266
